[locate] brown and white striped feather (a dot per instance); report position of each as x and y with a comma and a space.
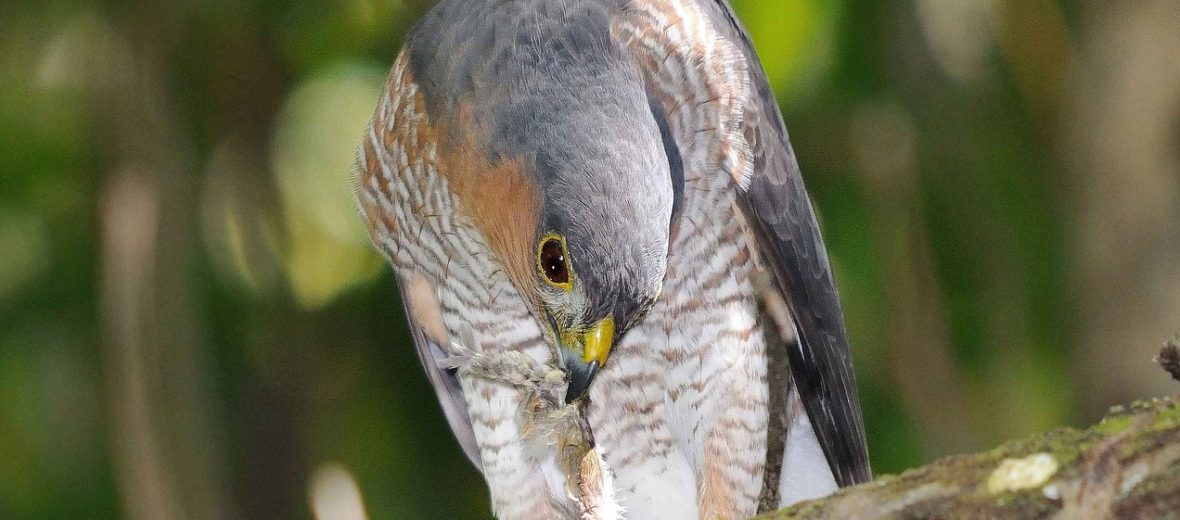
683, 408
437, 251
696, 364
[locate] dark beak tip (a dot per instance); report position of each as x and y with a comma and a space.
580, 376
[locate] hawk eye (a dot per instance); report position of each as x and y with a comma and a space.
552, 262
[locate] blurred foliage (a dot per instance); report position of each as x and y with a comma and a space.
192, 323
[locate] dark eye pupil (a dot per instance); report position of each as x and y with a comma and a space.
553, 262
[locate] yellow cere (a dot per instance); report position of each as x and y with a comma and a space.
596, 343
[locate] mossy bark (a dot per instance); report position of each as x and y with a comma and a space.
1127, 466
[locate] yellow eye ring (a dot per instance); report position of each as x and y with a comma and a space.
553, 262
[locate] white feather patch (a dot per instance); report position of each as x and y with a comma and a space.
806, 474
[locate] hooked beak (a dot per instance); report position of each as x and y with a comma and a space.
584, 353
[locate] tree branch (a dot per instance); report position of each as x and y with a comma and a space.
1127, 466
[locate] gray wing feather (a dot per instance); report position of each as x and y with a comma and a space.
779, 210
445, 383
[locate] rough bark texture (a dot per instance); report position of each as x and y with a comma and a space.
1127, 466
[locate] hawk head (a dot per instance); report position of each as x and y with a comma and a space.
592, 177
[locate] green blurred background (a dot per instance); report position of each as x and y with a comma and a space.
193, 325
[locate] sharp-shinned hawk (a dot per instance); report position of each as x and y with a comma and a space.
611, 270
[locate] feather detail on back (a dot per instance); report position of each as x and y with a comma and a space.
699, 77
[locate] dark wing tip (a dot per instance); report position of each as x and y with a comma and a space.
819, 359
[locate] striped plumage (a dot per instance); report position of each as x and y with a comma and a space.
694, 412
